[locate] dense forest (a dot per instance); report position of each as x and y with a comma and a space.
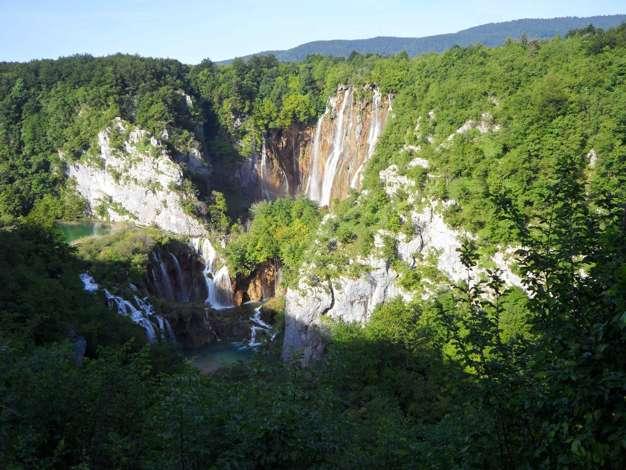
471, 375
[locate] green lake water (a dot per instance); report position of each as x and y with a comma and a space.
217, 356
72, 232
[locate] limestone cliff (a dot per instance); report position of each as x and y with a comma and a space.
345, 299
260, 285
135, 180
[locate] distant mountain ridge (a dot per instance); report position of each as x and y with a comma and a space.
491, 34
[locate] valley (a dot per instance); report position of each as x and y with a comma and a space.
411, 262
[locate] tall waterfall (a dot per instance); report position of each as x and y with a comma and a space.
141, 312
313, 189
219, 288
263, 171
330, 168
372, 137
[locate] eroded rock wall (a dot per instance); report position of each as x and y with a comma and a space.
139, 183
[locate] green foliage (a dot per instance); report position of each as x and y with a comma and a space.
67, 205
218, 212
49, 108
121, 256
280, 232
41, 295
492, 34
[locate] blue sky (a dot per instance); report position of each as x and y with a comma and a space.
190, 30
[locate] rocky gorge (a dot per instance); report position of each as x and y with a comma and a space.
141, 183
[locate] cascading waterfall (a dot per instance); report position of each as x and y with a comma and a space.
219, 288
372, 137
330, 169
89, 283
183, 295
141, 313
313, 190
221, 295
259, 326
376, 121
168, 290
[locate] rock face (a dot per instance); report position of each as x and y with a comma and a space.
175, 273
138, 182
325, 161
259, 285
354, 300
346, 299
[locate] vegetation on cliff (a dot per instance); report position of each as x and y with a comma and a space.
280, 231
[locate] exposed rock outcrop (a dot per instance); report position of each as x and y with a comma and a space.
137, 182
354, 300
175, 273
260, 285
345, 299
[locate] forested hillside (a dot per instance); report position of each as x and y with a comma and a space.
492, 35
518, 150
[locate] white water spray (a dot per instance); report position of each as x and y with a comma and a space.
168, 290
89, 283
179, 278
259, 326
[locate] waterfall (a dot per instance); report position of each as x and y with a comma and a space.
330, 169
221, 294
168, 290
372, 137
264, 191
313, 189
183, 296
89, 283
258, 325
141, 313
219, 289
375, 125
